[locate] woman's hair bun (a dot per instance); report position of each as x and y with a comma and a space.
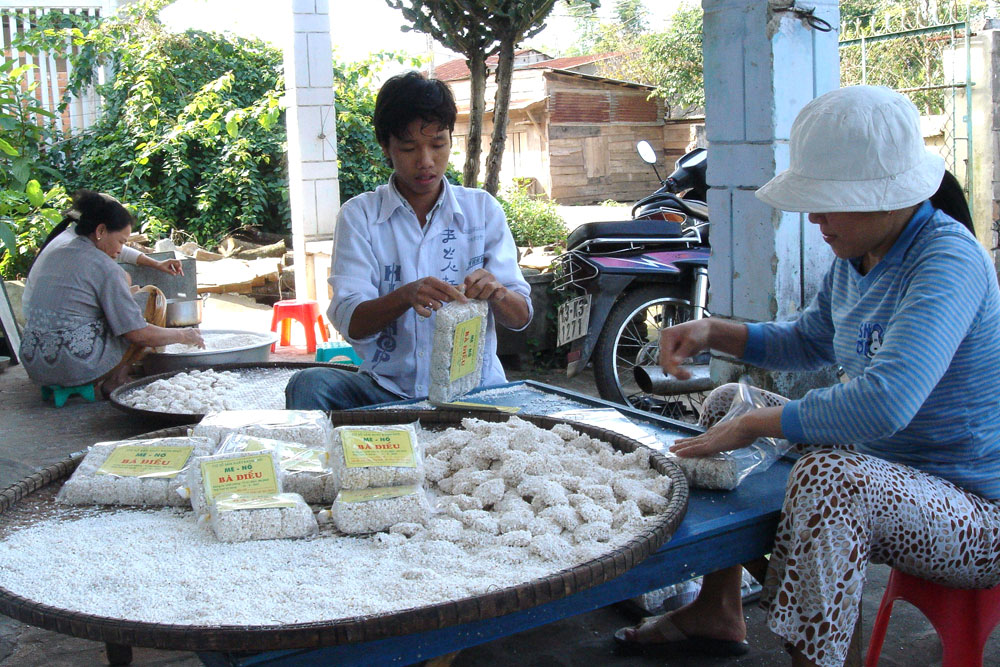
91, 209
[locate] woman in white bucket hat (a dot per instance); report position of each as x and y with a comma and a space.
903, 462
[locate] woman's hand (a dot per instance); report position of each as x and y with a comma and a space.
428, 294
170, 266
723, 437
191, 336
681, 342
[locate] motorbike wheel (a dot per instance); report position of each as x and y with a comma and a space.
630, 338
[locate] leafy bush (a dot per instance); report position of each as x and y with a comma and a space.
534, 221
27, 213
190, 132
33, 213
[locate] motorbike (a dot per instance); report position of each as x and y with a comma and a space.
627, 280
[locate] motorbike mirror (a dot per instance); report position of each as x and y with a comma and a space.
692, 159
646, 152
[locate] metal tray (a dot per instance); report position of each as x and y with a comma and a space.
160, 362
186, 418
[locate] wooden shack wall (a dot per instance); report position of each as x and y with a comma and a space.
526, 149
593, 128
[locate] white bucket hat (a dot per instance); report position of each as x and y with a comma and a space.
855, 149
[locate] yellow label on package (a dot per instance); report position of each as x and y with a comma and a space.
511, 409
162, 462
234, 501
365, 448
465, 348
381, 493
245, 475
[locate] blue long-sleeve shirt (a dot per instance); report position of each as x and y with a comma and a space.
919, 339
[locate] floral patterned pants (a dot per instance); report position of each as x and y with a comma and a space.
843, 510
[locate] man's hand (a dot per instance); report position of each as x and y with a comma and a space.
170, 266
428, 294
482, 285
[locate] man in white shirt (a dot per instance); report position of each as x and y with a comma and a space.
403, 251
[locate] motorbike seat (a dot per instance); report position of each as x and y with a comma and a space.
623, 230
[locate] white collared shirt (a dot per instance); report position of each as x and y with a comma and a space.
379, 246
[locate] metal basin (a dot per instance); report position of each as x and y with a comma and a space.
183, 312
161, 362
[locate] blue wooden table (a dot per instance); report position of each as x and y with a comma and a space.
720, 529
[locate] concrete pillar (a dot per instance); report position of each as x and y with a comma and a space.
313, 190
984, 70
761, 67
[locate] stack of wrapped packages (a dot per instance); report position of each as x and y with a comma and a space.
144, 473
380, 474
267, 466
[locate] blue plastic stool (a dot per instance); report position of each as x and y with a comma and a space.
59, 394
339, 352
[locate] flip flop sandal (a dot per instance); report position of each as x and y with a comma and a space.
675, 642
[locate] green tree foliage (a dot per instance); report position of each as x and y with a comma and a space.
670, 60
190, 132
27, 212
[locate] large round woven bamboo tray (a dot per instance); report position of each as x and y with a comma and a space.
118, 394
29, 497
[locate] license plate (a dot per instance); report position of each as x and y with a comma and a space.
574, 316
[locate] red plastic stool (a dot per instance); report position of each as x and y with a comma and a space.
963, 617
306, 312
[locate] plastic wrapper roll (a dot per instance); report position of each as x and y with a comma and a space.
725, 471
240, 473
236, 518
134, 472
365, 457
457, 349
307, 469
375, 510
305, 427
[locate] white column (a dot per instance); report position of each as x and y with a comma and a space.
313, 190
761, 68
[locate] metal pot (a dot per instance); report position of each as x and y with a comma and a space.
183, 312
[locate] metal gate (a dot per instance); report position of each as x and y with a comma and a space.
929, 60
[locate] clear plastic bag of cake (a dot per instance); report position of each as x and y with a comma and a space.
307, 469
239, 473
240, 518
726, 470
356, 512
144, 472
457, 349
305, 427
365, 457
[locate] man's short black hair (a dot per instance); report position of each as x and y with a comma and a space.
408, 96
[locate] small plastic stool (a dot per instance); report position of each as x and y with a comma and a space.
59, 394
337, 352
306, 312
962, 617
